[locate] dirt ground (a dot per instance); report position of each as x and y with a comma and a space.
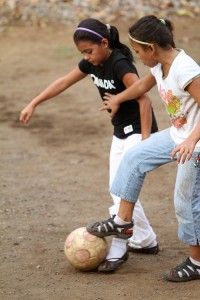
54, 177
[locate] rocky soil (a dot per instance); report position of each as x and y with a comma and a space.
43, 12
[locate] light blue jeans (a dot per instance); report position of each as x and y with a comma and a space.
149, 155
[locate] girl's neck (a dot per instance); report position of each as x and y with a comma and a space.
107, 56
167, 60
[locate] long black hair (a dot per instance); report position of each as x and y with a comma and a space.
150, 29
106, 31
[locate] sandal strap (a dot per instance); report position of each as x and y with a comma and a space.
110, 225
186, 269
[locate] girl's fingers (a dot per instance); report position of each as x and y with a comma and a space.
173, 153
21, 118
103, 108
24, 118
189, 156
182, 156
107, 96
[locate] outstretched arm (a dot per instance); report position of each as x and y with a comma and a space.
54, 89
134, 91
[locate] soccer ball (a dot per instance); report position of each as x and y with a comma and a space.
85, 251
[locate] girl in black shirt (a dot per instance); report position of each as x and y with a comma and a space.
110, 65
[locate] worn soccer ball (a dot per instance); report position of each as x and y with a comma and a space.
85, 251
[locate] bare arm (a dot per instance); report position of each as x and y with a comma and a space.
145, 115
186, 148
54, 89
145, 106
134, 91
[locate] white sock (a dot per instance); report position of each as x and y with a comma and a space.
119, 221
140, 245
195, 262
117, 249
153, 244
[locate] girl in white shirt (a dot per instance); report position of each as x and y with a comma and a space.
177, 77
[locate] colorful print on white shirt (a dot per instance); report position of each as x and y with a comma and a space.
183, 110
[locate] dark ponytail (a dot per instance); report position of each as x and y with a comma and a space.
108, 32
114, 43
150, 29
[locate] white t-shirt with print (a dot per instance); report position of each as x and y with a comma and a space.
183, 110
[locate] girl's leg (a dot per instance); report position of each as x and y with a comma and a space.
143, 158
187, 202
195, 252
137, 162
143, 234
187, 208
118, 248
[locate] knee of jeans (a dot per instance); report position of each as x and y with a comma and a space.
182, 211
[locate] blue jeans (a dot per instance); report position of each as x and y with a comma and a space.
149, 155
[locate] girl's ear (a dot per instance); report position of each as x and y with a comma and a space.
151, 48
155, 49
105, 43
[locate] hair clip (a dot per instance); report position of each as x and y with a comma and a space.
163, 21
108, 27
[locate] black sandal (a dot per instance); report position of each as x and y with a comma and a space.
109, 227
109, 265
184, 272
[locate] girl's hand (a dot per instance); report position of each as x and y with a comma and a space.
26, 114
184, 151
110, 103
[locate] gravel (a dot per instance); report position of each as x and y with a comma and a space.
44, 12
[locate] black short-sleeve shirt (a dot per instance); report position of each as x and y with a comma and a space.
108, 78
